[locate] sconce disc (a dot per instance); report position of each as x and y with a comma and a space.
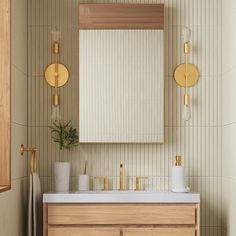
63, 75
193, 75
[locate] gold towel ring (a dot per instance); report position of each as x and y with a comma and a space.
33, 164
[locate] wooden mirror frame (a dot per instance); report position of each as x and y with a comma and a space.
5, 101
121, 16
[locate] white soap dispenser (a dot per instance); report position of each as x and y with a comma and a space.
178, 177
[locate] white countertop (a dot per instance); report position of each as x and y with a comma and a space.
121, 197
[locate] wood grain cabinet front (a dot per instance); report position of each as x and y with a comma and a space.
121, 219
159, 231
121, 214
83, 231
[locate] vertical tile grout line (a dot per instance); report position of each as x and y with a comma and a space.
27, 81
221, 118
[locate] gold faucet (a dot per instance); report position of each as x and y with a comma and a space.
121, 177
138, 178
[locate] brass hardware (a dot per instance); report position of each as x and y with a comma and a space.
62, 75
23, 149
186, 75
178, 160
55, 48
121, 177
186, 99
138, 178
55, 100
56, 75
33, 164
105, 182
186, 48
191, 76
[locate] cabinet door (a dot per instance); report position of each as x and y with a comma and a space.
158, 232
81, 231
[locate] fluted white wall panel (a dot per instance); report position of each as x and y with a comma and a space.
199, 142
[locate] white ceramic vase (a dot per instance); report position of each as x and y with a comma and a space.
83, 183
62, 176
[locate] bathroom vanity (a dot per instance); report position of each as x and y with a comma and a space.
127, 213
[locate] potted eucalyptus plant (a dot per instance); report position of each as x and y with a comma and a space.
66, 136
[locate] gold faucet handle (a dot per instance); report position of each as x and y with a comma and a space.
138, 179
105, 182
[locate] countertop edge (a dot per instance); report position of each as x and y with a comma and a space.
121, 198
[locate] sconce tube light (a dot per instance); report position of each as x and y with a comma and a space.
56, 75
186, 75
186, 115
56, 99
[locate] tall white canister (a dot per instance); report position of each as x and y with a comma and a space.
178, 177
62, 176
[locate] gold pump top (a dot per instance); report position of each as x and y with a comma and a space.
121, 177
178, 160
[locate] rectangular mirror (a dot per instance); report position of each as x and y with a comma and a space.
121, 82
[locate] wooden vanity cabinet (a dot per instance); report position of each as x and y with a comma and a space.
121, 219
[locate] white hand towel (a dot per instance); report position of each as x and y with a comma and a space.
35, 207
30, 207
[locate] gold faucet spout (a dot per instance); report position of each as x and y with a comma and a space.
121, 177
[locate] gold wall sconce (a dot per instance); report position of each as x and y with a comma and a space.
56, 75
186, 75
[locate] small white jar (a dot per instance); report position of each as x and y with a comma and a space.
83, 183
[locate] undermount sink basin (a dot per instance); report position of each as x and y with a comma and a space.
121, 197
